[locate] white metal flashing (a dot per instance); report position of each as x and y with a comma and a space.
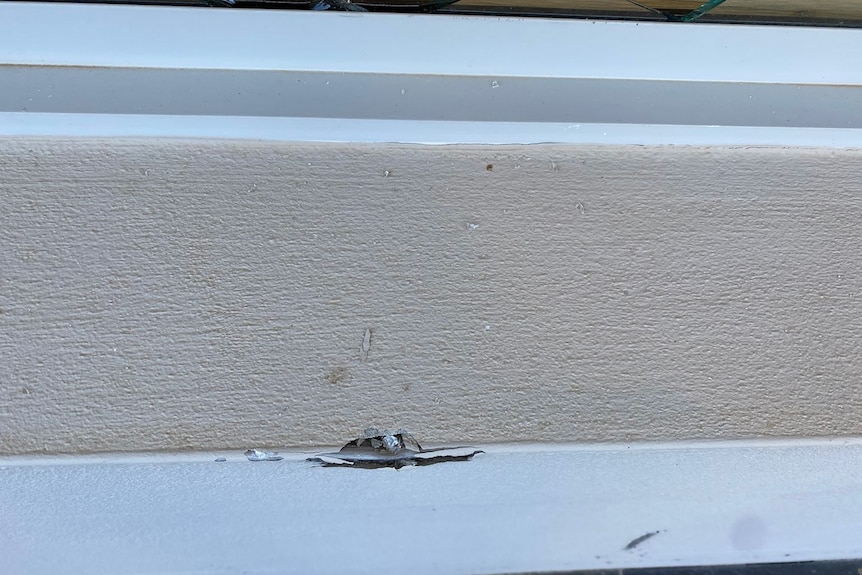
508, 510
194, 72
199, 38
415, 131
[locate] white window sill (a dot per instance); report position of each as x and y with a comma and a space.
91, 70
511, 509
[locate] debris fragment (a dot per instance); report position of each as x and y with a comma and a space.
376, 448
220, 459
638, 540
366, 345
261, 455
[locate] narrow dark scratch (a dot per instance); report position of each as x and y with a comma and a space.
638, 540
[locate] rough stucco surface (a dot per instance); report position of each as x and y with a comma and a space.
171, 295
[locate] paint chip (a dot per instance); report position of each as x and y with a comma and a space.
261, 455
376, 448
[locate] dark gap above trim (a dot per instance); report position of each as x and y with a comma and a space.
643, 10
831, 567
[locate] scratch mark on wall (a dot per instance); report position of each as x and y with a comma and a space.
366, 345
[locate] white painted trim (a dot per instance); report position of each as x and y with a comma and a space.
787, 86
293, 454
174, 37
535, 508
415, 131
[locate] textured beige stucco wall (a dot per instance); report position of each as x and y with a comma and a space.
170, 295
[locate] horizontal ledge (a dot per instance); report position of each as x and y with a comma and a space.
528, 508
148, 91
414, 132
200, 38
193, 72
293, 454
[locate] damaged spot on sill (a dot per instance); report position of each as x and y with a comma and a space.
376, 448
261, 455
638, 540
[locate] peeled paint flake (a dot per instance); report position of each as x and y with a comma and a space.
260, 455
375, 448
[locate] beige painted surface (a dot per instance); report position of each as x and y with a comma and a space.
170, 295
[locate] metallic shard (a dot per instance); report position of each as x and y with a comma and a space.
344, 5
701, 10
376, 448
329, 460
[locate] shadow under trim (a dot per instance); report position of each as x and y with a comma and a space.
839, 567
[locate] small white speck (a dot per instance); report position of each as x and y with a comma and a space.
487, 328
403, 92
261, 455
386, 173
474, 227
495, 84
